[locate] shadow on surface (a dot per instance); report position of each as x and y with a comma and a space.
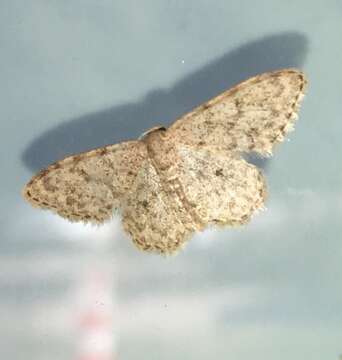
163, 106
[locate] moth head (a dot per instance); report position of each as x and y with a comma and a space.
152, 130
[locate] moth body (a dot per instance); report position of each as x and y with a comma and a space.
173, 182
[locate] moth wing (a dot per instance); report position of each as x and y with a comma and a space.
251, 117
223, 189
87, 187
150, 215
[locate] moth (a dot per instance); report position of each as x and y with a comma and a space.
173, 182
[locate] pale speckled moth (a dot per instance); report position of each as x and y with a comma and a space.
173, 182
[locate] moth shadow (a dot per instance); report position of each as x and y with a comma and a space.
163, 106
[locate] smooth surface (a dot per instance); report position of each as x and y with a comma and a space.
81, 74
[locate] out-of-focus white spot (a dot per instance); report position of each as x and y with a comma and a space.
81, 232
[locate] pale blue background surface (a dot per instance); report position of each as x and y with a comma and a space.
80, 74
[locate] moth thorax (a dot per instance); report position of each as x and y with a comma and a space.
160, 148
